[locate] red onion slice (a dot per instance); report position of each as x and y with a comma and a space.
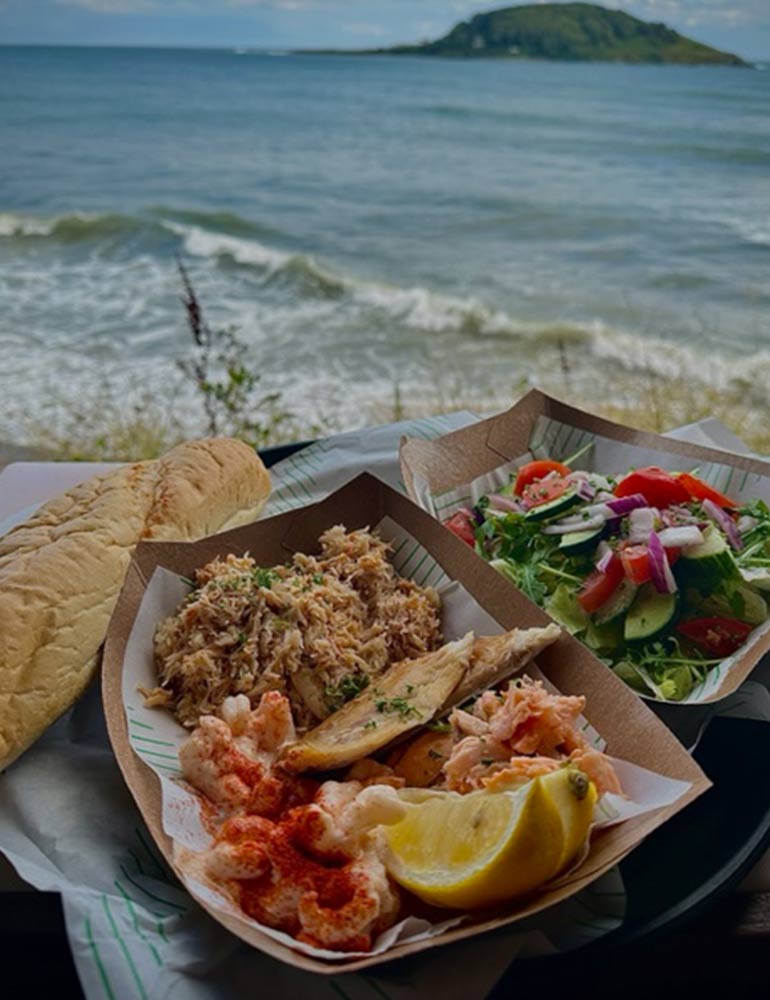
640, 523
746, 523
508, 504
605, 554
675, 515
662, 577
594, 509
568, 527
723, 520
624, 505
685, 534
585, 490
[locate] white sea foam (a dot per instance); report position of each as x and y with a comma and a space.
416, 307
25, 225
327, 337
201, 242
204, 243
69, 226
754, 231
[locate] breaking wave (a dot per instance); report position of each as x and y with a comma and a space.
68, 228
128, 311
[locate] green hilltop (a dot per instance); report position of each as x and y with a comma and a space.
574, 32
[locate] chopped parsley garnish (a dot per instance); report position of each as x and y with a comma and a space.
396, 706
264, 577
436, 755
350, 686
371, 724
440, 726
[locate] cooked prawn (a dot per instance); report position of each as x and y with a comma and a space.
310, 868
232, 762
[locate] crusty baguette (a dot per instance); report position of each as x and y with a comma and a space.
61, 571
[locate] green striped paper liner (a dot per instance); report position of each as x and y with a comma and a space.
322, 467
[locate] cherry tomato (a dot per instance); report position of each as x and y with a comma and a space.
463, 525
718, 636
636, 563
533, 471
658, 487
545, 490
699, 490
598, 587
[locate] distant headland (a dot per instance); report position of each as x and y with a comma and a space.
569, 32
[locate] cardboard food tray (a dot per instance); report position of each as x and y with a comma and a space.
632, 731
539, 426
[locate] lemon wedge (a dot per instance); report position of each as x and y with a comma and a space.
480, 849
574, 797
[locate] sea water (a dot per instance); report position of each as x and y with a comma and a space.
378, 228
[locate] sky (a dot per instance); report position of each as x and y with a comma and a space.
741, 26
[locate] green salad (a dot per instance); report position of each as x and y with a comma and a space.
660, 574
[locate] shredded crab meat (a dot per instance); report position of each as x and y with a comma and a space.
302, 858
507, 739
317, 630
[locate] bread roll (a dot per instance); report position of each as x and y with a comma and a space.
61, 571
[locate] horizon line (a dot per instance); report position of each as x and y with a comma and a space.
284, 50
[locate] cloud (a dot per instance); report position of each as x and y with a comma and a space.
693, 12
110, 6
690, 12
364, 28
189, 6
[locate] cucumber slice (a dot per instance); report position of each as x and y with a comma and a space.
649, 615
756, 577
708, 564
580, 541
616, 604
735, 600
554, 508
752, 606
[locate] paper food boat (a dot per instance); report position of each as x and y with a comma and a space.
657, 771
451, 471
